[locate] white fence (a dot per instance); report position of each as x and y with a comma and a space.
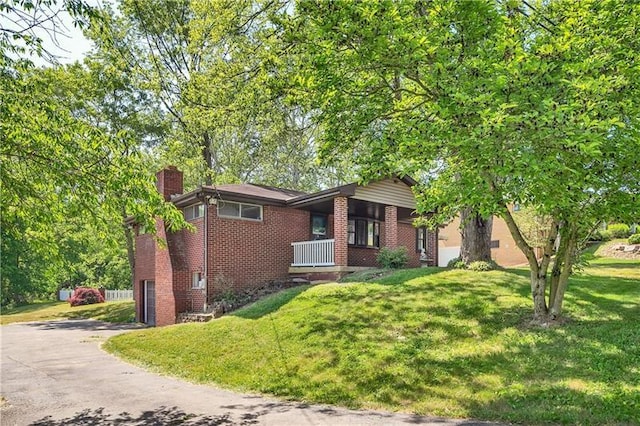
113, 295
313, 253
65, 294
109, 295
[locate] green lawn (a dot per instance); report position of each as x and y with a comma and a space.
109, 312
427, 341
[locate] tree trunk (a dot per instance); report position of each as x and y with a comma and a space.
131, 256
566, 254
476, 236
539, 268
538, 288
207, 157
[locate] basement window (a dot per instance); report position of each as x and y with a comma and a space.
194, 212
197, 281
239, 210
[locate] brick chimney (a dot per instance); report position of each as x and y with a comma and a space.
169, 182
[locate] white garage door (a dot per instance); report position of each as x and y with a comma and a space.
445, 254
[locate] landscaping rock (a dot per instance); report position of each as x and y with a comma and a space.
231, 302
620, 251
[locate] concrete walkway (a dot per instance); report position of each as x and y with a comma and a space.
54, 373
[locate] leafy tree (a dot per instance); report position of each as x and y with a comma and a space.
534, 103
24, 24
58, 162
217, 68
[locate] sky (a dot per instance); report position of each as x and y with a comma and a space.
71, 46
66, 42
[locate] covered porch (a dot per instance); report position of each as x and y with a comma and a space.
350, 224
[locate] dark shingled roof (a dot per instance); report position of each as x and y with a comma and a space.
261, 191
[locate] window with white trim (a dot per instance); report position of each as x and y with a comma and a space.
422, 244
197, 281
193, 212
235, 210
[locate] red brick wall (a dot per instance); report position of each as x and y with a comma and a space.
407, 238
187, 257
244, 253
145, 269
366, 256
169, 182
165, 299
361, 256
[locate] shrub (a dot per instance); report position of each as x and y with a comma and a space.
596, 235
393, 258
634, 239
606, 235
456, 263
619, 230
481, 266
85, 296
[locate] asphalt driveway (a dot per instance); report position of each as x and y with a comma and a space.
54, 373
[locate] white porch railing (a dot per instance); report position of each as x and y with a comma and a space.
313, 253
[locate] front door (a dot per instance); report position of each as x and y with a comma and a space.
150, 302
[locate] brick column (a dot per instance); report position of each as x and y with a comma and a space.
391, 226
340, 222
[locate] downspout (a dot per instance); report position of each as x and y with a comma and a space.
205, 245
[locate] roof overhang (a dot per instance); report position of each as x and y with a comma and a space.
322, 196
203, 193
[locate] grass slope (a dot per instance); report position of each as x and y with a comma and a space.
449, 343
109, 312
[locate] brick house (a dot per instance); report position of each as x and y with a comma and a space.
247, 235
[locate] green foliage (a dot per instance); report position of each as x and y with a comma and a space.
596, 235
427, 341
31, 21
618, 230
634, 239
229, 120
395, 258
606, 235
71, 168
482, 266
533, 225
456, 263
493, 103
